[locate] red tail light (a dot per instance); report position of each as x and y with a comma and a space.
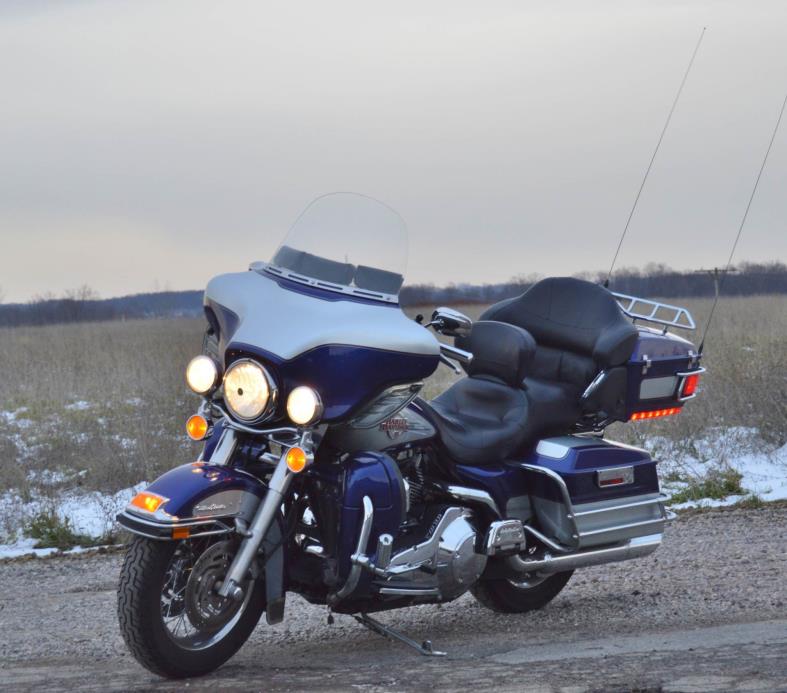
690, 383
655, 414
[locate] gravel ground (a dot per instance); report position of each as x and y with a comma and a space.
719, 581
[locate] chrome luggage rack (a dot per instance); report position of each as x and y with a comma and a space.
653, 311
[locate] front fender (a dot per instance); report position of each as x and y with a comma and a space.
199, 498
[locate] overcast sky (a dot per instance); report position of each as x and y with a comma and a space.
146, 145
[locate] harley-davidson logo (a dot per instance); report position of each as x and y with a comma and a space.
210, 508
395, 427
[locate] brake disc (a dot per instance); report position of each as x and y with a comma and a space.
206, 610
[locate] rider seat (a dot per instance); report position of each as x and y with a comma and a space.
482, 419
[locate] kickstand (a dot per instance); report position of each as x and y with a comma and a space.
424, 648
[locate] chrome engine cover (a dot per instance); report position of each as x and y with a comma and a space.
445, 564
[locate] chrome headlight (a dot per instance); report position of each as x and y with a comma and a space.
304, 406
249, 390
202, 374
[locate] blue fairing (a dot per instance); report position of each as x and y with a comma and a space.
345, 376
377, 476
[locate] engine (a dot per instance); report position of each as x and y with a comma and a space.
441, 564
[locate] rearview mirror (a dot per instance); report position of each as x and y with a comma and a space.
451, 322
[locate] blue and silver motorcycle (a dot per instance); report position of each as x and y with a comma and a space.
324, 473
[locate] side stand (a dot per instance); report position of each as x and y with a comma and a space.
424, 648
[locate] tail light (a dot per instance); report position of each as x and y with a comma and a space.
688, 384
653, 414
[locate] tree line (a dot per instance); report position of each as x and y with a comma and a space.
654, 281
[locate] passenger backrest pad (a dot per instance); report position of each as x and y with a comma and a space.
578, 327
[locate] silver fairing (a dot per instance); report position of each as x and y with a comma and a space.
288, 322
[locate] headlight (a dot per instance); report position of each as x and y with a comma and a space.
248, 390
202, 374
304, 406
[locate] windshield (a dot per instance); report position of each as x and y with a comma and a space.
346, 242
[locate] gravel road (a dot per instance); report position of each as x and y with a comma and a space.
708, 611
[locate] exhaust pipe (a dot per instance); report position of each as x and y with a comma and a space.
549, 563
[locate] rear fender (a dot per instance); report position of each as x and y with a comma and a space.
202, 499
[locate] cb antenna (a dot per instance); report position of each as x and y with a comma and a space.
653, 158
743, 222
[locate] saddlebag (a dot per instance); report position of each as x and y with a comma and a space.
587, 492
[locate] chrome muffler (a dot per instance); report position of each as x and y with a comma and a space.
550, 563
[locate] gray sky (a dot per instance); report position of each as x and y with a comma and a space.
153, 144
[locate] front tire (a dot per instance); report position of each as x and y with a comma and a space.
517, 597
153, 589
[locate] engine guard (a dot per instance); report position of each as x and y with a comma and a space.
206, 500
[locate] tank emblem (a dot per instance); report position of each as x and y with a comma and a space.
395, 426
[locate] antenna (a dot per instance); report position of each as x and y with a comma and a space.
743, 221
653, 158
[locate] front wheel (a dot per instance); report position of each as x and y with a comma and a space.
518, 596
170, 616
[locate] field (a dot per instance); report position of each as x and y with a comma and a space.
93, 409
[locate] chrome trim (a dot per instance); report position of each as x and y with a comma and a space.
455, 353
273, 392
627, 304
548, 564
682, 379
495, 541
628, 525
662, 497
563, 492
410, 592
165, 528
546, 540
360, 550
462, 325
469, 495
594, 384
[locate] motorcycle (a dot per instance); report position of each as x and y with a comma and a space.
325, 474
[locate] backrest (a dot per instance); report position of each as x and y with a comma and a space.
501, 351
577, 325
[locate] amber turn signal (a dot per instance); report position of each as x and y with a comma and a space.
197, 427
296, 460
148, 501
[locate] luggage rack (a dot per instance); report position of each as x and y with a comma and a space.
654, 311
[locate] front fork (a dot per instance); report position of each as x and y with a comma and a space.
277, 488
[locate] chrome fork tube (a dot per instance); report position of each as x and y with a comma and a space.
277, 487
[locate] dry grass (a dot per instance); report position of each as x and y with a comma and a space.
130, 374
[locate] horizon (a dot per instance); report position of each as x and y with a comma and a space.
86, 293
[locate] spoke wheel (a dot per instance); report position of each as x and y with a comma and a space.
170, 614
194, 615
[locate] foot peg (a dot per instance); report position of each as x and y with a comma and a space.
424, 648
